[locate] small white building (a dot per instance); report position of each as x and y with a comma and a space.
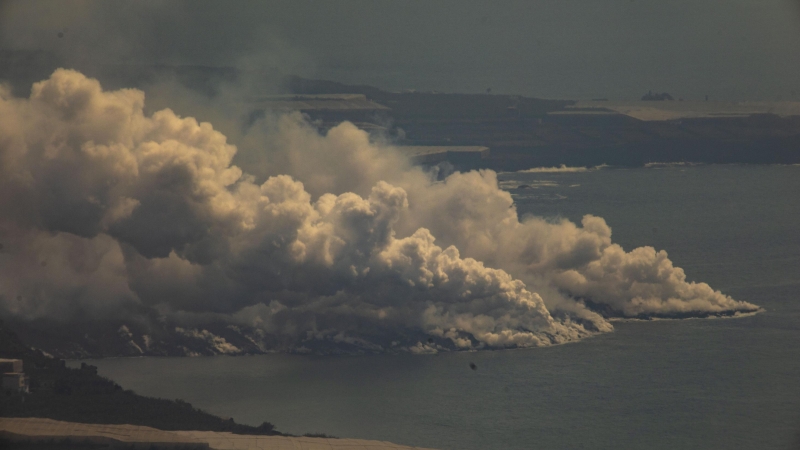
13, 376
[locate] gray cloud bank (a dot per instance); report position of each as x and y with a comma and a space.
111, 214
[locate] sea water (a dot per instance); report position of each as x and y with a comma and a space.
687, 384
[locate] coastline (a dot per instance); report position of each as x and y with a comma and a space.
42, 431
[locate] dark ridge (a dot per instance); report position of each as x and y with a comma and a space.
81, 395
524, 132
410, 106
657, 97
521, 132
320, 435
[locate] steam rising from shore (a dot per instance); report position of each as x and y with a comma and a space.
110, 213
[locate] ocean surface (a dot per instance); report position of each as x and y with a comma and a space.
688, 384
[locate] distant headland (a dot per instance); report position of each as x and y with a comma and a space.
516, 132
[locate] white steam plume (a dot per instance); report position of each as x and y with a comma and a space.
107, 212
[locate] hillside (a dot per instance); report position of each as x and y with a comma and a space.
81, 395
527, 132
522, 132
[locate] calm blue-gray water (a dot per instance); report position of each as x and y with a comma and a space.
691, 384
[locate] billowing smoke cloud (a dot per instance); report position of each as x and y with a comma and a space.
111, 213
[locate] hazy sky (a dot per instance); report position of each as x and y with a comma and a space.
729, 49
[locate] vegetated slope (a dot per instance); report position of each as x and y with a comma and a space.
81, 395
